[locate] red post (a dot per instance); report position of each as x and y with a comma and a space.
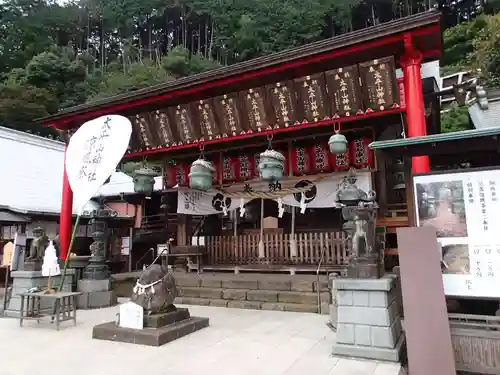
415, 108
66, 218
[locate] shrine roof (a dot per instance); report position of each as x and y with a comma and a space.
466, 140
370, 43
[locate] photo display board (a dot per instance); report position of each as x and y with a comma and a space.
464, 208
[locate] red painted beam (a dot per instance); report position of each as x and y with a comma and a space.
226, 81
265, 133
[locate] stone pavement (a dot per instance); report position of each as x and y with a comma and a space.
237, 342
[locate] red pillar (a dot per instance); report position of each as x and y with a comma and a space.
415, 108
66, 218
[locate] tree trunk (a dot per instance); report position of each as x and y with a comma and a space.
212, 36
207, 43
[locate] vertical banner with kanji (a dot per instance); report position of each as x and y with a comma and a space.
93, 153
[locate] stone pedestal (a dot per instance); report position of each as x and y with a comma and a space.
159, 329
95, 294
32, 265
25, 280
365, 267
369, 325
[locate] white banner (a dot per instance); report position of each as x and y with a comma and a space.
320, 195
93, 153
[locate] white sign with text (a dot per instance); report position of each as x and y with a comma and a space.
93, 153
131, 316
464, 209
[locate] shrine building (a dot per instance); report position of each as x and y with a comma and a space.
291, 102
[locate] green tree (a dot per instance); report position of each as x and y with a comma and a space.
458, 44
455, 119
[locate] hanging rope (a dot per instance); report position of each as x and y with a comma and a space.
336, 127
403, 131
202, 151
269, 141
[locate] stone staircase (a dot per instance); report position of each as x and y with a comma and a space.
297, 293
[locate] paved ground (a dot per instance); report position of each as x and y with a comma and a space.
237, 342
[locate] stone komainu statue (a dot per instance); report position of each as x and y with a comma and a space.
155, 290
38, 245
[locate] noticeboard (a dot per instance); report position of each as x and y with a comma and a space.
464, 209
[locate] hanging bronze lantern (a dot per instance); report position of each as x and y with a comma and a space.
144, 180
271, 165
201, 175
337, 142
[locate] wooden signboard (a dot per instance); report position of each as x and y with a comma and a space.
8, 253
254, 100
344, 91
312, 97
185, 125
164, 126
229, 114
135, 139
380, 89
283, 101
140, 127
206, 118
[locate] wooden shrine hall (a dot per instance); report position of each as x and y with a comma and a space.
292, 102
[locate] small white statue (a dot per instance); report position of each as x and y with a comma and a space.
50, 266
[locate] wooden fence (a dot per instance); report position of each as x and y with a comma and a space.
244, 249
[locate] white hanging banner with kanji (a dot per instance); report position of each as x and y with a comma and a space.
93, 153
321, 194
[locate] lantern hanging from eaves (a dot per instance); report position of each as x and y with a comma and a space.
271, 163
337, 142
144, 180
201, 174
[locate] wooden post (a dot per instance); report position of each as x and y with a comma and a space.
262, 253
293, 240
181, 229
235, 233
426, 322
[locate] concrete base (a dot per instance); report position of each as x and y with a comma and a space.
368, 352
368, 322
25, 280
159, 329
95, 294
166, 319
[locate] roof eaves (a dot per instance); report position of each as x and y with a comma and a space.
372, 33
434, 138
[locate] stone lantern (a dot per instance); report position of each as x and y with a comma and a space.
97, 269
144, 180
271, 165
359, 209
201, 175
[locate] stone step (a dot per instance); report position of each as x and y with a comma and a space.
256, 291
306, 298
252, 284
254, 305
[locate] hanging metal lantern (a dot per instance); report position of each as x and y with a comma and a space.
144, 180
201, 175
337, 142
271, 165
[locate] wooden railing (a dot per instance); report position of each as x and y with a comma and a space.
244, 249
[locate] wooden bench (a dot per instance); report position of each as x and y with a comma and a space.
64, 307
197, 252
